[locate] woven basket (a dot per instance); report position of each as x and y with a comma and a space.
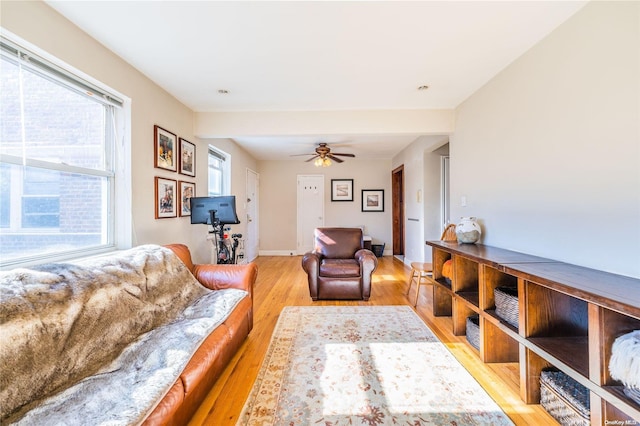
507, 304
565, 400
473, 331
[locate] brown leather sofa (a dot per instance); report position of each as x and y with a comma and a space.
206, 365
339, 267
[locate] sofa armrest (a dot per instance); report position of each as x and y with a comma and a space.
217, 277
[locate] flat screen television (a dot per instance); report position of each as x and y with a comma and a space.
224, 207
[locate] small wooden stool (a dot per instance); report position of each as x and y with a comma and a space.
420, 273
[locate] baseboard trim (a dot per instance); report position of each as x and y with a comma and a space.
278, 253
293, 253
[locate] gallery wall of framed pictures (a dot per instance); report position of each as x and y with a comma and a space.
372, 199
178, 155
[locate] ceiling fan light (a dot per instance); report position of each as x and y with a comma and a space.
322, 162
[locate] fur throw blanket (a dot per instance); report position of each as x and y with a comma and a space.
100, 342
625, 359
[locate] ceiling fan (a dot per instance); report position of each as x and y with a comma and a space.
323, 156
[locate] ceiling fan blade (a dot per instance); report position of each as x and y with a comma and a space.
312, 158
344, 155
300, 155
336, 159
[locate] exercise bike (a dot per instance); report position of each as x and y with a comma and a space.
226, 250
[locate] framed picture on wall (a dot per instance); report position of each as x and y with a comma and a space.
341, 189
373, 200
164, 149
165, 198
187, 158
186, 191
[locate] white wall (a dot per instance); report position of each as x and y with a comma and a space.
278, 195
548, 152
421, 162
241, 160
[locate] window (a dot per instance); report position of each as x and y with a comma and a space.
40, 199
57, 159
219, 173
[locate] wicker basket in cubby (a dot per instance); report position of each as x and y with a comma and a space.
507, 304
473, 331
565, 399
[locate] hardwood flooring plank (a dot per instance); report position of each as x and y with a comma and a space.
282, 282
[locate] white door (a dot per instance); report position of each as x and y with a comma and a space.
252, 240
310, 209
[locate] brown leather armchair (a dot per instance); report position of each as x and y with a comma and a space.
338, 267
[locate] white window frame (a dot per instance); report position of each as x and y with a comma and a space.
226, 169
119, 201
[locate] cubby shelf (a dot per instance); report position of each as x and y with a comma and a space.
570, 351
500, 323
470, 296
568, 316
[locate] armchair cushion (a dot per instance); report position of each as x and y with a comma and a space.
344, 268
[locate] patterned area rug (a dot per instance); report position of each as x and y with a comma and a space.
363, 365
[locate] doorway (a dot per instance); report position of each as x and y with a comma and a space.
310, 210
397, 194
445, 216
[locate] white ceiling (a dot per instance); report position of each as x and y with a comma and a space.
378, 146
318, 56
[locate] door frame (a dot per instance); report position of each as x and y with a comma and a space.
397, 209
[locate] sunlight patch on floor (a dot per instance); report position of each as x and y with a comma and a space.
356, 376
347, 395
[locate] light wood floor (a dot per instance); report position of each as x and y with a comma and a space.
282, 282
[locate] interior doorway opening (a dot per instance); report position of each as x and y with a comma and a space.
445, 207
397, 193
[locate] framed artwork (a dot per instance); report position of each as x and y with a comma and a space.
164, 149
341, 189
187, 158
165, 198
186, 190
373, 200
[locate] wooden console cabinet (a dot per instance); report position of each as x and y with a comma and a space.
569, 317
